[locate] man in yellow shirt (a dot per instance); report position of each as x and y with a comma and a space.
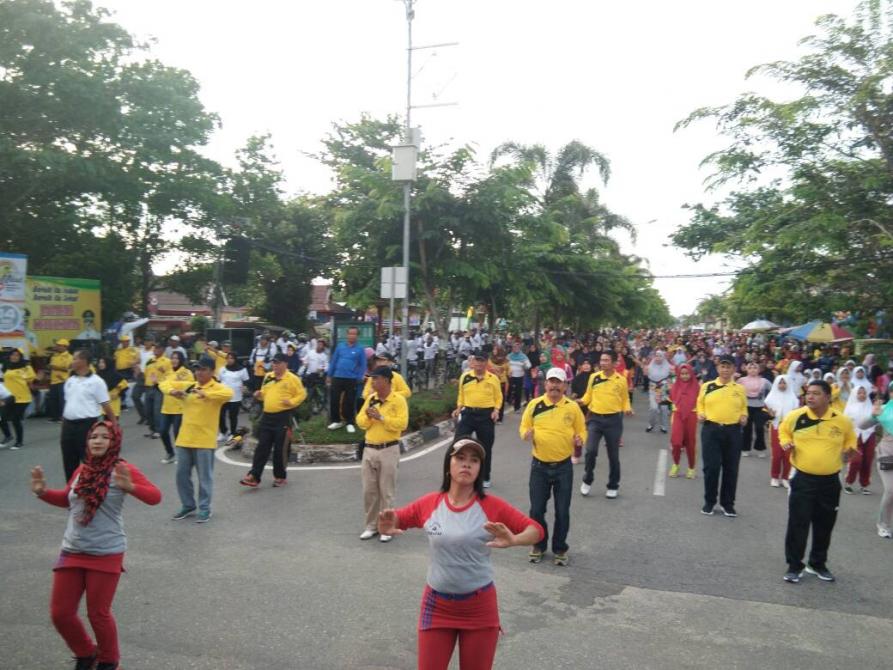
218, 353
384, 416
398, 384
281, 392
197, 439
155, 371
126, 358
722, 408
817, 437
477, 408
60, 370
554, 424
607, 399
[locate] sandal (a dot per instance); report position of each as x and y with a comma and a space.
249, 480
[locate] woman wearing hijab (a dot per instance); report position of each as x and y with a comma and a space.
18, 376
873, 371
844, 388
883, 414
782, 400
658, 373
114, 382
94, 543
235, 376
796, 379
861, 379
756, 387
172, 407
684, 396
858, 408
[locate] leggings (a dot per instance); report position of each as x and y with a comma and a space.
684, 434
69, 584
861, 462
477, 648
780, 467
230, 410
13, 412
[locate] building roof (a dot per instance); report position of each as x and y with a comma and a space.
321, 301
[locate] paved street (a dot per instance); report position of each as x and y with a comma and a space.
279, 579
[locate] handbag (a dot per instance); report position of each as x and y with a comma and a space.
885, 463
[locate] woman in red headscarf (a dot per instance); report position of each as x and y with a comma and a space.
94, 543
684, 431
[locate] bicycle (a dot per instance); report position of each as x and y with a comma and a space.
317, 393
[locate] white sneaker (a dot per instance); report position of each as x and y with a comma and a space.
774, 482
350, 428
610, 493
761, 454
221, 437
786, 483
745, 454
368, 534
882, 532
585, 489
385, 538
336, 425
167, 460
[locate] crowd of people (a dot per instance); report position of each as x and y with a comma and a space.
814, 409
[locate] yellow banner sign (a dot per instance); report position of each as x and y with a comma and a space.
61, 307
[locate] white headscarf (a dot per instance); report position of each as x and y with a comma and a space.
795, 379
781, 402
830, 378
860, 382
859, 412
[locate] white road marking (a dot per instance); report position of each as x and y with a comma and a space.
221, 456
660, 475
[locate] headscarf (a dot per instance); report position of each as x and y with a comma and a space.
856, 382
110, 375
684, 395
868, 361
10, 365
796, 380
859, 411
659, 368
781, 402
96, 473
830, 378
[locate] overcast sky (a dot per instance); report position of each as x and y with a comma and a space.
614, 75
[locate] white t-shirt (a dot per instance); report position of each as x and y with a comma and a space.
316, 362
430, 349
234, 379
84, 397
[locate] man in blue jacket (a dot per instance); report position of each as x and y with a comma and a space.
346, 369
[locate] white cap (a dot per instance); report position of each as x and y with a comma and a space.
174, 338
557, 373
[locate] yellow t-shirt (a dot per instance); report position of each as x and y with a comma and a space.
201, 416
819, 443
170, 404
115, 396
18, 381
219, 360
606, 395
395, 418
479, 393
126, 358
156, 371
554, 427
289, 388
60, 360
398, 385
722, 403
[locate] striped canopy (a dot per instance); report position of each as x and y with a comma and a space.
819, 331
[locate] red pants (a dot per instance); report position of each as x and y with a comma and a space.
684, 433
477, 648
860, 463
780, 468
69, 585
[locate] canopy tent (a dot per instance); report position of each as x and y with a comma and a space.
819, 331
758, 326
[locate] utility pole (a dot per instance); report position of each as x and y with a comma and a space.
407, 191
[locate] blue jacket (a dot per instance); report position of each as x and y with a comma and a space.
348, 362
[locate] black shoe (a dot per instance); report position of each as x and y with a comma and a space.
663, 430
84, 662
728, 510
708, 510
793, 576
822, 573
649, 429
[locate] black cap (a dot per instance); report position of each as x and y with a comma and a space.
725, 358
206, 362
384, 357
280, 358
478, 355
382, 372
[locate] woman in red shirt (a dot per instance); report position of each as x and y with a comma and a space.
463, 524
94, 543
684, 430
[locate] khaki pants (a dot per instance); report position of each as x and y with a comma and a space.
379, 481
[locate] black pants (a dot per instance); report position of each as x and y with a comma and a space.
609, 426
721, 451
13, 413
74, 443
230, 410
552, 480
138, 392
812, 503
168, 422
516, 391
343, 401
152, 402
55, 401
272, 434
756, 426
477, 422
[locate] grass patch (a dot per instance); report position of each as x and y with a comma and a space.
425, 409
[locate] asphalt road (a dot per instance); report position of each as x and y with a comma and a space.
279, 579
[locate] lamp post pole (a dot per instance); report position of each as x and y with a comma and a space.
407, 190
